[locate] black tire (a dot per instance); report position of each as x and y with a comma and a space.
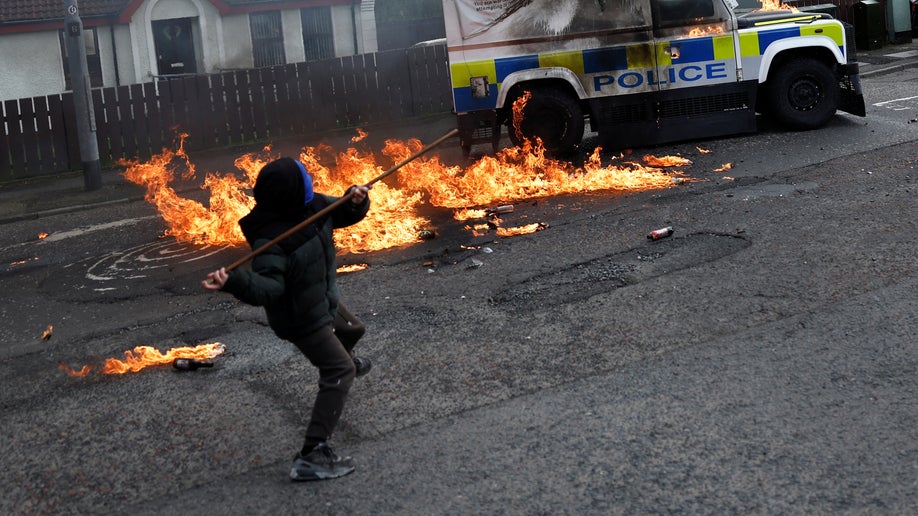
552, 115
802, 94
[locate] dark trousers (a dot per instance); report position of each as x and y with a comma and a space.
328, 349
348, 327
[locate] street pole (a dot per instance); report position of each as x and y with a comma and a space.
82, 102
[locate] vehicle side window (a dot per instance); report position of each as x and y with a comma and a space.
672, 13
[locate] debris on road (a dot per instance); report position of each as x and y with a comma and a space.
505, 208
657, 234
190, 364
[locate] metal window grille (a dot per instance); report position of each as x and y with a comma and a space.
318, 40
267, 38
404, 23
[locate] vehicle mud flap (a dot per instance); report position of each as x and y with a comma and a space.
851, 99
479, 127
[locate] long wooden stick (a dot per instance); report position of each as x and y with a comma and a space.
340, 201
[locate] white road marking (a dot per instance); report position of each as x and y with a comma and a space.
80, 231
897, 104
62, 235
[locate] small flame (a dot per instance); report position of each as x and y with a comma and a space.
357, 267
521, 230
23, 262
703, 151
706, 31
723, 168
518, 106
142, 357
42, 235
45, 335
361, 134
776, 5
76, 373
667, 161
469, 214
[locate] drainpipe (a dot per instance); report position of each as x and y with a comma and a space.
111, 29
354, 24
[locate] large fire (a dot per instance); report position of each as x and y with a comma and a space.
395, 216
142, 357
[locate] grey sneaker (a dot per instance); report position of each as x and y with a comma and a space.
320, 464
362, 364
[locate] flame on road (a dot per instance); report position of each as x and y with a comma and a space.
356, 267
361, 134
521, 230
17, 263
395, 218
142, 357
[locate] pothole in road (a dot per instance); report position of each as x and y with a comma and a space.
586, 279
747, 193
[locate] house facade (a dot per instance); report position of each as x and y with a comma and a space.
137, 41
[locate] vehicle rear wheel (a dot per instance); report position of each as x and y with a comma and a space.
552, 115
802, 94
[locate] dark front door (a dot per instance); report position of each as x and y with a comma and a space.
174, 46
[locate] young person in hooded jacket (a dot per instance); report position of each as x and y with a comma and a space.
294, 281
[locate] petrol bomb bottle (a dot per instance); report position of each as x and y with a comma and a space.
190, 364
660, 233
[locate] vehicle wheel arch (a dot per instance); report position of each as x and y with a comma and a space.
780, 52
561, 78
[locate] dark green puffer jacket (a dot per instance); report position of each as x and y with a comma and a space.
297, 290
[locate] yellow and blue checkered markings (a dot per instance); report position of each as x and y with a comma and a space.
612, 59
697, 50
471, 97
755, 43
694, 62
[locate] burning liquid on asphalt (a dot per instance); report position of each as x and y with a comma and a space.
514, 174
142, 357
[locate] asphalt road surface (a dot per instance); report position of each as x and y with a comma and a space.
762, 359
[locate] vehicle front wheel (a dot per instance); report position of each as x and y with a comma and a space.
552, 115
802, 94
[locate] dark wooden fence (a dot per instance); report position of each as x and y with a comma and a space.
229, 108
